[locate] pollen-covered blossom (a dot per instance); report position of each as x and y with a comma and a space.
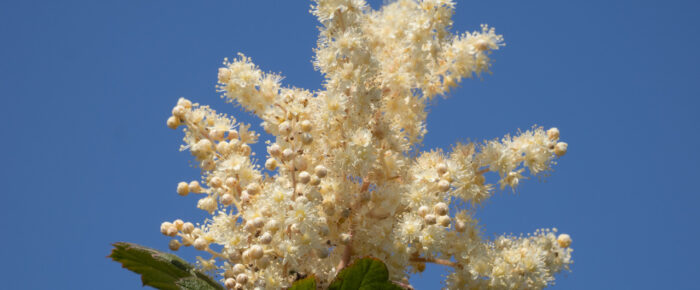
344, 177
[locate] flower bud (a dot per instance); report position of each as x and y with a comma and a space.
253, 188
441, 168
232, 134
423, 210
185, 103
173, 122
271, 164
171, 231
305, 125
187, 228
200, 244
164, 227
306, 138
256, 252
315, 181
226, 199
265, 238
443, 185
258, 222
560, 148
174, 245
179, 111
553, 134
430, 219
564, 240
231, 182
183, 189
238, 268
304, 177
215, 182
242, 278
444, 221
460, 225
321, 171
287, 154
441, 208
195, 187
285, 128
178, 223
230, 283
274, 150
202, 148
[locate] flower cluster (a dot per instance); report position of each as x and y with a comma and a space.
344, 179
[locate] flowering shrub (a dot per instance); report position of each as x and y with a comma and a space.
344, 178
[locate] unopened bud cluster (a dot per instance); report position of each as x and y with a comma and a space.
342, 174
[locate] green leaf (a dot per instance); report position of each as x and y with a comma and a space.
308, 283
364, 274
161, 270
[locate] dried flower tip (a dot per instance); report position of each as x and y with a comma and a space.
443, 185
430, 219
441, 208
242, 278
274, 150
200, 244
253, 188
226, 199
256, 252
321, 171
179, 111
553, 134
564, 240
215, 182
287, 154
305, 125
230, 283
195, 187
271, 164
441, 168
265, 239
174, 245
560, 148
187, 228
423, 210
173, 122
304, 177
444, 221
183, 188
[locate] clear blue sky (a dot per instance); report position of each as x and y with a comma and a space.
87, 86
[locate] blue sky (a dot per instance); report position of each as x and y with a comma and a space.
87, 86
